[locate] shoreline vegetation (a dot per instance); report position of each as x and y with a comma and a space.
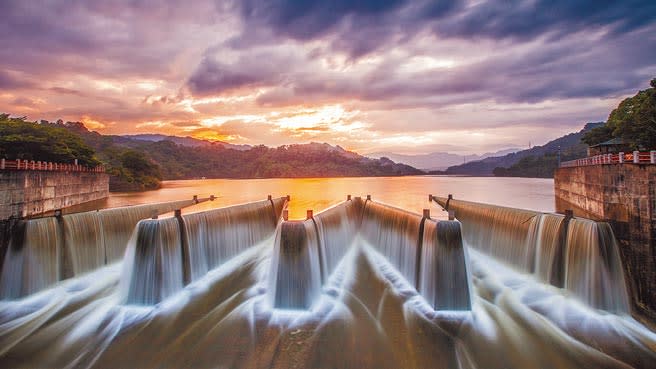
138, 165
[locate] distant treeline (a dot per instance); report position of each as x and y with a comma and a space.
138, 164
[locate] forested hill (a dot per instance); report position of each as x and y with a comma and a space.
308, 160
145, 161
570, 145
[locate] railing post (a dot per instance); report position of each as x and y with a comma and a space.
285, 215
636, 157
652, 156
309, 214
348, 197
2, 163
427, 213
621, 157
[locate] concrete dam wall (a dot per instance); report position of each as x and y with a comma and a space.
624, 195
24, 193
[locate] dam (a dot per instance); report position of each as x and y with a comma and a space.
359, 284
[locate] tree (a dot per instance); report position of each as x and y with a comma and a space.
634, 120
20, 139
139, 165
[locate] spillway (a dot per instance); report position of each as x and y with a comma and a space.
44, 251
307, 252
360, 284
164, 255
580, 255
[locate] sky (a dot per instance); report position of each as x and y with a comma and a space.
369, 75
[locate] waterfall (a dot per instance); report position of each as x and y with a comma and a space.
498, 231
336, 229
191, 245
118, 223
44, 251
593, 266
84, 246
395, 234
444, 281
428, 253
578, 254
33, 258
548, 236
153, 263
295, 271
215, 236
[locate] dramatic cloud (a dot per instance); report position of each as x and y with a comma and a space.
413, 76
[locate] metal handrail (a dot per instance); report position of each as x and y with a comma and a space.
636, 157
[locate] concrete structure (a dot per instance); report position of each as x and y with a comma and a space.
625, 196
24, 193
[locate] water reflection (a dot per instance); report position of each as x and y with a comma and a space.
319, 193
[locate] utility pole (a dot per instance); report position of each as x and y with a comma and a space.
558, 156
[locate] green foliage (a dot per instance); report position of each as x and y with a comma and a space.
598, 135
20, 139
634, 120
542, 166
293, 161
138, 164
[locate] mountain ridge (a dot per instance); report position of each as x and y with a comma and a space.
570, 144
429, 162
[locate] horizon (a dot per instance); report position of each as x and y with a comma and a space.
406, 77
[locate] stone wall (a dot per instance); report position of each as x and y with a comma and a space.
625, 196
27, 193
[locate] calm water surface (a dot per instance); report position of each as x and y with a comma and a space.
319, 193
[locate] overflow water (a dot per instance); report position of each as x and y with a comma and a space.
361, 319
153, 264
306, 253
580, 255
593, 267
192, 245
32, 261
52, 249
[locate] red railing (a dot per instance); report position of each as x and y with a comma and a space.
19, 164
636, 157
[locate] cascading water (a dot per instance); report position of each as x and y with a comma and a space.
295, 266
498, 231
367, 321
33, 259
118, 223
51, 249
336, 229
395, 234
153, 263
231, 230
444, 281
84, 245
580, 255
594, 268
549, 237
432, 259
208, 239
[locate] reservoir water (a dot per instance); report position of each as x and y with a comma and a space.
319, 193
